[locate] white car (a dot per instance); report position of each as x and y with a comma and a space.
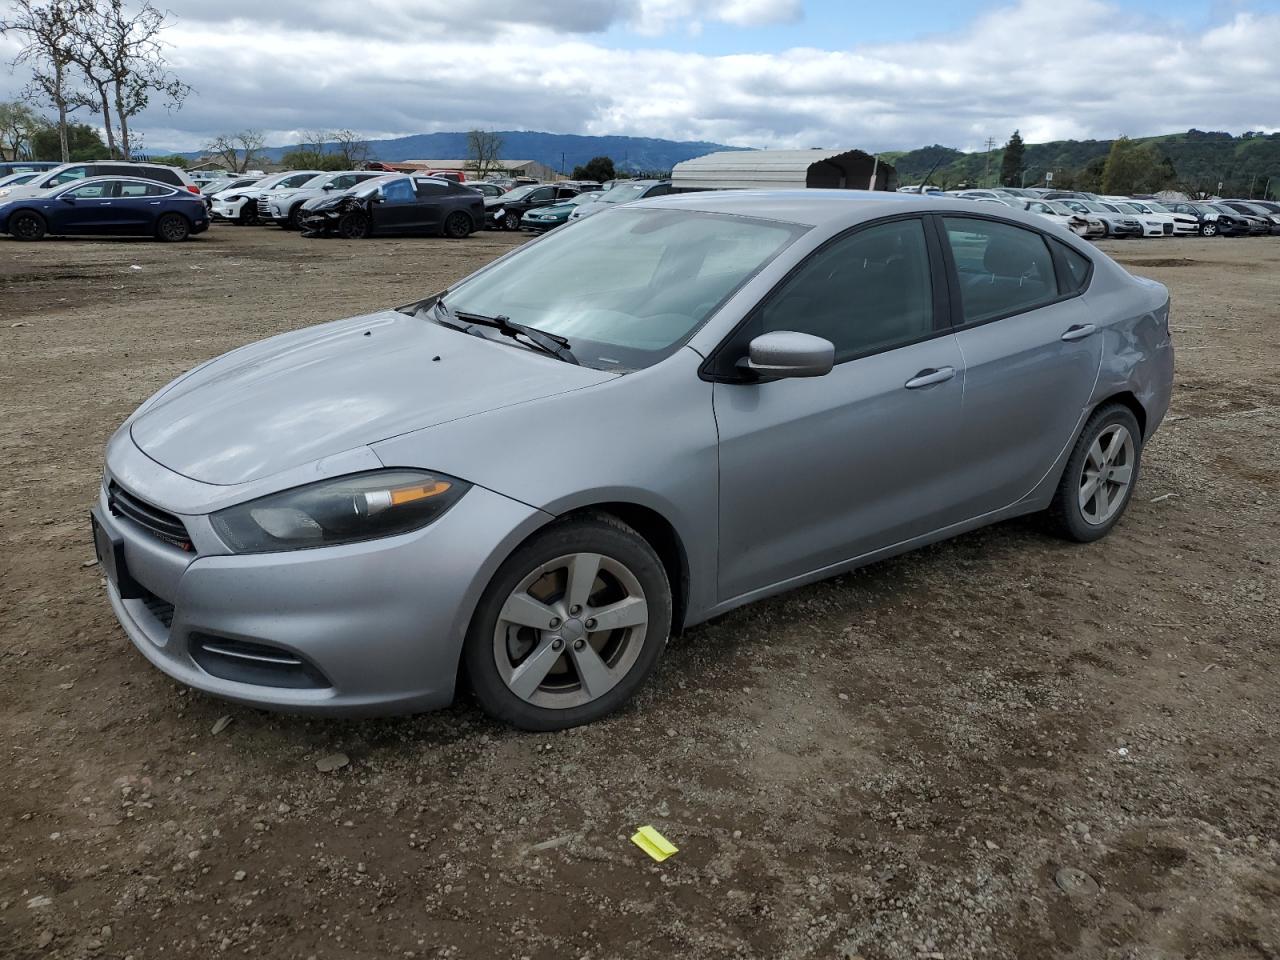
1154, 224
282, 206
1184, 225
1080, 224
240, 204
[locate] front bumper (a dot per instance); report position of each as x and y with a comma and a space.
228, 211
379, 625
539, 226
1124, 230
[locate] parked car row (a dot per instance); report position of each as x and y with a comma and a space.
1093, 216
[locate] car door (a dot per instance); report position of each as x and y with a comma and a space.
396, 210
818, 471
540, 198
88, 208
1032, 351
139, 205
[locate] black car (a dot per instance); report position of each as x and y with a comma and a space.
1213, 222
1254, 208
396, 205
485, 187
504, 212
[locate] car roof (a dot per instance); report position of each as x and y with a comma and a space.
817, 207
118, 176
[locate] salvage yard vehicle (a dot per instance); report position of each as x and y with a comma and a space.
283, 206
396, 205
67, 172
106, 206
542, 219
504, 212
756, 390
1254, 209
1117, 224
241, 205
1057, 212
625, 191
1184, 225
1153, 224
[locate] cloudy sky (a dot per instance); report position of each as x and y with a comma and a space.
764, 73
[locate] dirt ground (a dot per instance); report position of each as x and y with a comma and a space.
912, 761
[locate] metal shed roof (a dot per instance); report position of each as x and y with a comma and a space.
781, 170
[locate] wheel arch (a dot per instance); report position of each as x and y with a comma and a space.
1128, 399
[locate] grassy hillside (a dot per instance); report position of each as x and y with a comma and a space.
1201, 159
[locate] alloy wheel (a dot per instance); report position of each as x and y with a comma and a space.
570, 631
1107, 474
173, 228
512, 221
1208, 229
27, 226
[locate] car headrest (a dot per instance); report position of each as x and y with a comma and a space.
1006, 257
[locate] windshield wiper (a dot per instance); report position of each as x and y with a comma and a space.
551, 343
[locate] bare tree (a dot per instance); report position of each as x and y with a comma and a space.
238, 150
353, 150
127, 50
483, 150
49, 28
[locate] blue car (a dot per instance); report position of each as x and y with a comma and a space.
100, 206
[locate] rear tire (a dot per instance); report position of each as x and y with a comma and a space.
457, 226
1100, 476
27, 225
172, 228
535, 648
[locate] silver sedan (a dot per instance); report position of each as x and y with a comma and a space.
618, 431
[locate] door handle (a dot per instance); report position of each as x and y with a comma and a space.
927, 378
1079, 331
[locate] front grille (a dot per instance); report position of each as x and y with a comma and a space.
159, 523
264, 207
245, 662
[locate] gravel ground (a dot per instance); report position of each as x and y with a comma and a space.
1001, 746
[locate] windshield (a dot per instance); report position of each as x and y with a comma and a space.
1158, 207
373, 186
1223, 208
1059, 208
624, 192
1094, 207
627, 287
519, 193
1131, 208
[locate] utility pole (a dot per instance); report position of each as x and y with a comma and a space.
562, 163
1251, 184
986, 177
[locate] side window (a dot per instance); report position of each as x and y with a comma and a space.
427, 188
159, 174
131, 188
1003, 269
66, 176
92, 191
658, 190
343, 183
1077, 265
296, 181
542, 194
866, 292
398, 191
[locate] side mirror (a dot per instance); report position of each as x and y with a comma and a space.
786, 353
379, 198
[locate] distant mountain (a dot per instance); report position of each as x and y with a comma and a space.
1201, 160
556, 150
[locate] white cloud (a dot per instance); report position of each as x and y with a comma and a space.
1052, 69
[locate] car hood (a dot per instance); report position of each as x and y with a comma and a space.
303, 396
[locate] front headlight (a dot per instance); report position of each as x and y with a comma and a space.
236, 199
343, 510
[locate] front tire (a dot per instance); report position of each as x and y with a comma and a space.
248, 214
511, 221
1208, 229
1100, 475
291, 221
570, 626
172, 228
27, 226
353, 225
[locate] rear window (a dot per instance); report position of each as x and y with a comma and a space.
1078, 267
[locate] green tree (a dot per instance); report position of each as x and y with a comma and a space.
83, 143
18, 124
1012, 165
597, 168
173, 160
1136, 168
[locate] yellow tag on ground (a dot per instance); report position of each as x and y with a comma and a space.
653, 843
